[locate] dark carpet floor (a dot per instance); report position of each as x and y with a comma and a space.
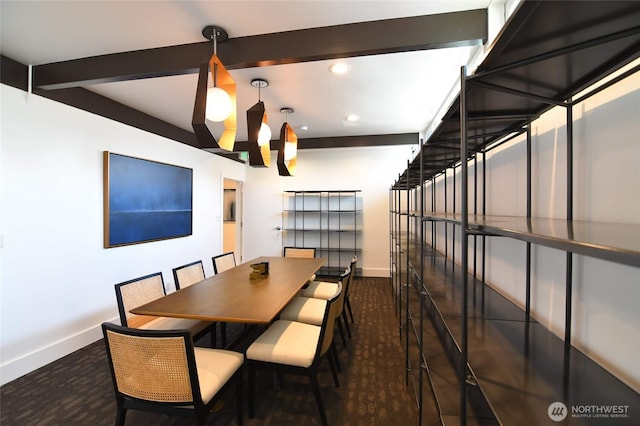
77, 389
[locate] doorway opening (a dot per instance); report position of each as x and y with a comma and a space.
232, 218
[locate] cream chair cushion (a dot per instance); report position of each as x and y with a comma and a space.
305, 309
167, 323
319, 290
215, 367
286, 342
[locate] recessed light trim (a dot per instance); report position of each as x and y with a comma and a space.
352, 118
339, 68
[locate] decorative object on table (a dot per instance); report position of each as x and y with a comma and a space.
259, 270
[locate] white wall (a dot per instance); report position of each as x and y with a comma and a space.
56, 279
606, 295
371, 170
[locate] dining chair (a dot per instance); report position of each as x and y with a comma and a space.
223, 261
138, 291
306, 252
188, 274
162, 371
347, 301
323, 289
303, 252
295, 347
191, 273
310, 309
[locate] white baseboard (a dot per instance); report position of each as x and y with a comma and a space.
376, 272
27, 363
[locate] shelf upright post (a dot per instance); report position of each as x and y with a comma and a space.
569, 266
569, 274
475, 212
446, 227
355, 226
339, 227
528, 267
391, 233
421, 282
527, 303
453, 225
463, 261
484, 212
399, 253
433, 209
295, 219
406, 290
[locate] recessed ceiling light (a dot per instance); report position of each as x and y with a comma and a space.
339, 68
304, 128
352, 118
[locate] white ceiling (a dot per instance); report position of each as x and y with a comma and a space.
392, 93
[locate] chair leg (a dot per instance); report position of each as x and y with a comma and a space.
214, 336
334, 353
348, 304
276, 381
316, 393
334, 370
346, 323
223, 333
121, 415
341, 329
252, 389
239, 397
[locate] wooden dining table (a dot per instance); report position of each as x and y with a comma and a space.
232, 296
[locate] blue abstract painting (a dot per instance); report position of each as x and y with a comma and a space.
145, 200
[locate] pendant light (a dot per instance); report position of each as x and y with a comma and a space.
218, 102
258, 131
288, 147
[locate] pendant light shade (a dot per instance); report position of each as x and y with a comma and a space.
290, 150
258, 131
287, 148
264, 134
217, 103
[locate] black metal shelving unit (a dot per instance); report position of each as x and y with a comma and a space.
329, 221
550, 54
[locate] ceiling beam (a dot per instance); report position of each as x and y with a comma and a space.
342, 142
97, 104
466, 28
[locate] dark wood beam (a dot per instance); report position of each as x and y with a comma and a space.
360, 141
105, 107
13, 73
340, 41
343, 142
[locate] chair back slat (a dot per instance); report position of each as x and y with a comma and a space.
153, 369
188, 274
303, 252
329, 322
223, 262
137, 292
345, 278
352, 267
